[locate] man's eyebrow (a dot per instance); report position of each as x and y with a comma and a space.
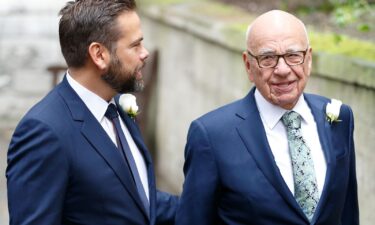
294, 49
267, 51
136, 41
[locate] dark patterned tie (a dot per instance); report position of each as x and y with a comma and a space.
123, 146
305, 185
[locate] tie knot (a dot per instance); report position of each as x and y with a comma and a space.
111, 112
291, 119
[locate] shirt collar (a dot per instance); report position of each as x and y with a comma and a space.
94, 103
271, 114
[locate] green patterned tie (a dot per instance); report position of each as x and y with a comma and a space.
305, 185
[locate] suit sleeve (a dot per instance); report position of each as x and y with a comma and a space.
166, 206
350, 215
36, 175
198, 202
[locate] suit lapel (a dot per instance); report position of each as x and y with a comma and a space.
137, 137
98, 138
254, 137
134, 131
324, 131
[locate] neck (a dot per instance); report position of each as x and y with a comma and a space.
91, 79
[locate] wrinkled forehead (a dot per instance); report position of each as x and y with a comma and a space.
277, 30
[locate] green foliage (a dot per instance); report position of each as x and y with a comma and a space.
363, 27
343, 45
355, 14
236, 23
347, 12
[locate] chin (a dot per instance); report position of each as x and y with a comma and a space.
286, 102
139, 86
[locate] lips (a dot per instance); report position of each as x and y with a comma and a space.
139, 75
284, 87
139, 71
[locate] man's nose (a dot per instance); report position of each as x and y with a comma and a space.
282, 68
144, 54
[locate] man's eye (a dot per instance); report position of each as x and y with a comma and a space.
291, 55
294, 57
267, 57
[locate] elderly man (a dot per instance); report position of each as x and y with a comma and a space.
273, 157
77, 157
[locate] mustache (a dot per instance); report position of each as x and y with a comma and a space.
143, 66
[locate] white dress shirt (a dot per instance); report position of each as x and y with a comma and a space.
98, 107
277, 138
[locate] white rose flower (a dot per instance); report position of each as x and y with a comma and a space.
333, 110
129, 104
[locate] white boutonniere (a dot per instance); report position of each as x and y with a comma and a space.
129, 104
333, 111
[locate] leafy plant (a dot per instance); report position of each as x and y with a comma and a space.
346, 12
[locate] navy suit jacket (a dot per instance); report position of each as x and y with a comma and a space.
64, 169
231, 176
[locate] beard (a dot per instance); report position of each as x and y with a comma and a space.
121, 79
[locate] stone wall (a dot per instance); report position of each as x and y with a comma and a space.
201, 69
28, 45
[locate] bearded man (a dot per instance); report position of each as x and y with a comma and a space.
77, 157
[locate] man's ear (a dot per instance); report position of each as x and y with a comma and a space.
308, 57
99, 55
246, 61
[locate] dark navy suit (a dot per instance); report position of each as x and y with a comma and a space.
64, 169
231, 176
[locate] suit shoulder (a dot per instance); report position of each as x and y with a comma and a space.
221, 111
324, 100
222, 117
346, 113
48, 110
317, 98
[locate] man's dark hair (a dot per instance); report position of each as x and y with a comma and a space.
85, 21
